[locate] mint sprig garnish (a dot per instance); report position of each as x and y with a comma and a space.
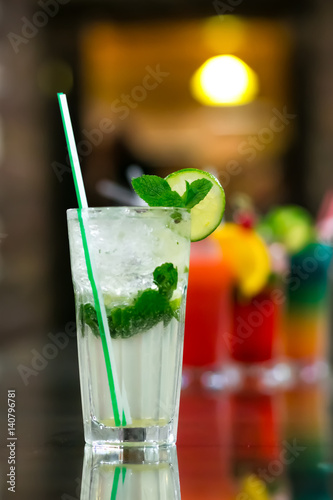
196, 191
156, 192
147, 309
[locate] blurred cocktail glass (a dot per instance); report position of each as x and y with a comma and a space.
252, 338
255, 318
305, 330
207, 314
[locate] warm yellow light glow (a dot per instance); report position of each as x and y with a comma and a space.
224, 81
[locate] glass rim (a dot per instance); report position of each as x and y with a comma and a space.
72, 213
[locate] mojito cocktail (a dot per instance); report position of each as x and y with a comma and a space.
130, 274
141, 258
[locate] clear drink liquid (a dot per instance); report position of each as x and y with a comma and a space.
127, 245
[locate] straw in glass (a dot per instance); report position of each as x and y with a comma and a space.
119, 401
115, 482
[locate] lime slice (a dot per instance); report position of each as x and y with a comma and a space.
208, 213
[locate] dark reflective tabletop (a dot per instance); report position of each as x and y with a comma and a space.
242, 446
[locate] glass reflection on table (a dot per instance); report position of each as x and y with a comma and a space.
130, 473
306, 428
257, 450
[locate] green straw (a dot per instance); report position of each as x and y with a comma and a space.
119, 404
115, 482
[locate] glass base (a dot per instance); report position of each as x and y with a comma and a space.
136, 455
213, 379
307, 371
263, 377
98, 434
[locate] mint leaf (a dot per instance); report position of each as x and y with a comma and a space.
156, 191
119, 320
166, 278
176, 216
88, 315
148, 308
196, 191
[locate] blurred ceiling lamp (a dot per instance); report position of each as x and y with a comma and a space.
224, 81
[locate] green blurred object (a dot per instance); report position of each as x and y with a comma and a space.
308, 279
290, 225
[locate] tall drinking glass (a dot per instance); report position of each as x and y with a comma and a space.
207, 315
141, 257
306, 328
253, 341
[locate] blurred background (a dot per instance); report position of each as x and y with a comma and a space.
127, 68
141, 99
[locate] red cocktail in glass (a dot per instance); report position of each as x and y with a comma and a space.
207, 309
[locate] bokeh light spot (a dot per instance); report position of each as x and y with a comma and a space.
224, 80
